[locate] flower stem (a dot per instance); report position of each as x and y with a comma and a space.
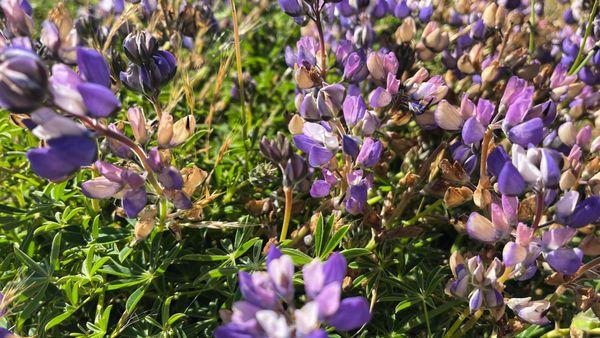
539, 207
470, 323
287, 213
588, 31
101, 129
162, 213
319, 24
532, 29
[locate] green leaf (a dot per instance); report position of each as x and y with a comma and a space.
355, 252
59, 319
319, 235
299, 257
30, 262
134, 298
55, 251
335, 240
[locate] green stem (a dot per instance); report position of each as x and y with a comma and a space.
287, 214
532, 29
588, 31
162, 213
470, 323
457, 323
426, 313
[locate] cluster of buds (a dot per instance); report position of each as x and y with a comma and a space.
149, 68
269, 306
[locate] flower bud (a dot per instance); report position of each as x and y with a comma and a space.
18, 17
137, 121
567, 180
437, 40
145, 223
489, 15
490, 74
165, 130
501, 14
291, 7
584, 137
305, 78
567, 133
277, 150
406, 32
23, 80
182, 130
465, 65
296, 124
139, 47
595, 147
329, 100
295, 171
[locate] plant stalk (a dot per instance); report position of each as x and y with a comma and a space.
287, 214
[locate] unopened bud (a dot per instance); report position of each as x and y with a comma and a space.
501, 14
182, 130
490, 74
165, 130
567, 180
296, 124
567, 133
464, 65
304, 78
437, 40
137, 121
489, 15
406, 32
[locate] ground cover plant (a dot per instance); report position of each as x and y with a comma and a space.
299, 168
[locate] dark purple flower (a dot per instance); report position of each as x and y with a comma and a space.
529, 132
291, 7
510, 181
62, 156
23, 80
93, 67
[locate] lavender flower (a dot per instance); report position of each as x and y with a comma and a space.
262, 313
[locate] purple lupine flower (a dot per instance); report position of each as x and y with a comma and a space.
318, 141
170, 178
560, 258
522, 253
118, 182
472, 281
355, 67
291, 7
576, 215
484, 230
69, 146
23, 82
18, 17
533, 312
264, 293
382, 63
356, 196
370, 152
149, 68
